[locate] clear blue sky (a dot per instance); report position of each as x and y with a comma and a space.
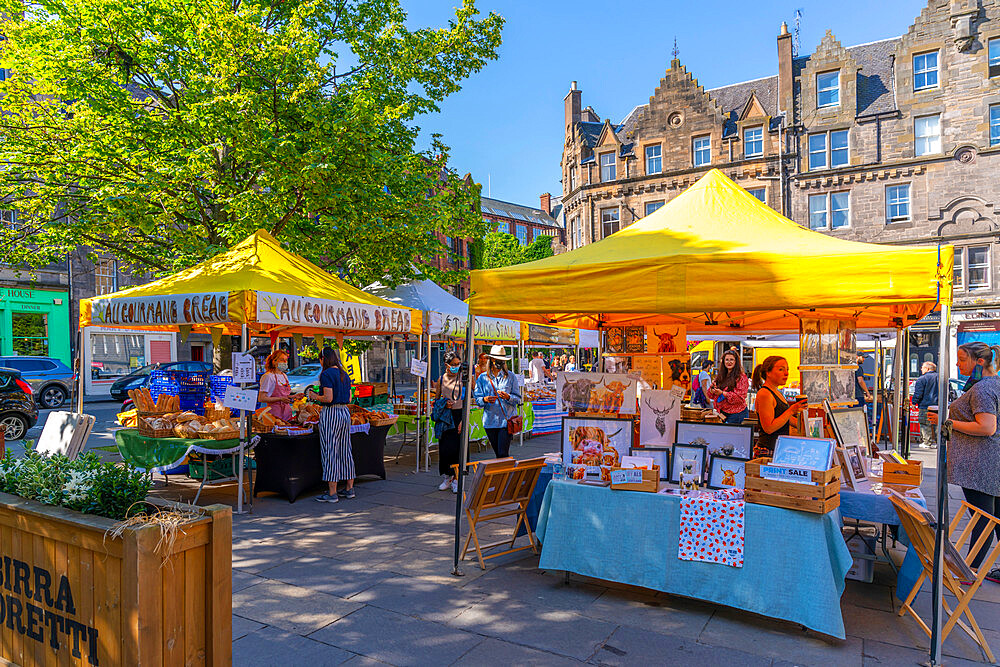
506, 125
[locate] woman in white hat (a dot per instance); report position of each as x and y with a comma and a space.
497, 394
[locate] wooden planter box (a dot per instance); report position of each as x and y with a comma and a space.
820, 498
71, 596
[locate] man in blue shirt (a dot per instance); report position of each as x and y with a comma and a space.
925, 394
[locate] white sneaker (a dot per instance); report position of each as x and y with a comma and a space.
443, 486
454, 486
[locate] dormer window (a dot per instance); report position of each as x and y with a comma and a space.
753, 141
608, 167
925, 71
828, 89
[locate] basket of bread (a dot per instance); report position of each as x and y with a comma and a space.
214, 411
264, 422
144, 403
155, 426
374, 417
221, 429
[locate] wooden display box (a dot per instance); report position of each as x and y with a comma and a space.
819, 499
910, 473
650, 481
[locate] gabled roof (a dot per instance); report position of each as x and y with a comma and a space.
589, 132
516, 212
874, 77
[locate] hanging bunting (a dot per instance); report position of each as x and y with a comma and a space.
340, 340
274, 339
297, 338
216, 335
318, 339
185, 331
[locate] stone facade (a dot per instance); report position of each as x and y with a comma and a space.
902, 156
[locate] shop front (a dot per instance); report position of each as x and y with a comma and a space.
35, 323
110, 354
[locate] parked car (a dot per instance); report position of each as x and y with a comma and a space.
299, 379
18, 411
140, 378
50, 379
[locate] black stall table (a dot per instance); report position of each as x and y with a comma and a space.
291, 464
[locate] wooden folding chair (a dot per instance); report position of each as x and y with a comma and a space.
958, 575
501, 488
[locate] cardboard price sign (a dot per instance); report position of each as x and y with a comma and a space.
240, 399
418, 368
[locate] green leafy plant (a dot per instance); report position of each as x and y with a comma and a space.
85, 485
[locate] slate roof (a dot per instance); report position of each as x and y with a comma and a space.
516, 212
590, 132
874, 77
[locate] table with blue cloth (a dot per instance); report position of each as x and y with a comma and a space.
876, 508
794, 562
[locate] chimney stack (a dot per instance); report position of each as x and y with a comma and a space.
545, 201
572, 100
785, 87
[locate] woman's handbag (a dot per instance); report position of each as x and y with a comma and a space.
515, 423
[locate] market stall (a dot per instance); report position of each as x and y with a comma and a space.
714, 260
256, 288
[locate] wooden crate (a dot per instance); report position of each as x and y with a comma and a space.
910, 473
125, 602
820, 499
650, 481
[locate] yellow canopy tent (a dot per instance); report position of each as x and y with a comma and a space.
719, 261
256, 283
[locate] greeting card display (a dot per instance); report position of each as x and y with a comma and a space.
592, 447
658, 413
809, 453
660, 456
853, 463
718, 439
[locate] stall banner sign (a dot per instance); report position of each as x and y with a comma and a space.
174, 309
240, 399
538, 333
487, 328
307, 311
786, 474
626, 476
418, 368
666, 339
244, 368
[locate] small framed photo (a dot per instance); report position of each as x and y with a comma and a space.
850, 427
660, 456
855, 467
726, 472
687, 460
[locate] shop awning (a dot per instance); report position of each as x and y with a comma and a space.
718, 260
256, 282
445, 314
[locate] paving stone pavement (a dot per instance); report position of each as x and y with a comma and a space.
369, 581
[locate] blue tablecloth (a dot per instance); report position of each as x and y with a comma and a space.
794, 562
879, 509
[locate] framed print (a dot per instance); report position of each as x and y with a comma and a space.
852, 462
798, 452
660, 456
718, 439
658, 413
635, 339
666, 339
591, 447
614, 340
842, 386
726, 472
850, 427
687, 460
596, 392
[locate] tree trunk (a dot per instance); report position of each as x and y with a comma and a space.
222, 354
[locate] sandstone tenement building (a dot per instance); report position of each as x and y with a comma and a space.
896, 141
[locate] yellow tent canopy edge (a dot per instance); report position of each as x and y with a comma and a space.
717, 259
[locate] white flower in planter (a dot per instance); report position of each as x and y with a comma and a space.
78, 485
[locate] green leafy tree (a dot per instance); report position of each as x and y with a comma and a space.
166, 131
498, 249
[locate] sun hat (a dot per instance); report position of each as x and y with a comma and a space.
499, 352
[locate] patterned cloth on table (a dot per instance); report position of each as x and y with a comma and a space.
711, 528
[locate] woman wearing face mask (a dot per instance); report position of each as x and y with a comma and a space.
450, 390
974, 451
275, 392
773, 411
731, 386
498, 395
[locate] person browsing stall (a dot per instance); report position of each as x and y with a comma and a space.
335, 426
925, 394
498, 395
275, 391
537, 367
773, 411
450, 390
731, 387
571, 364
974, 449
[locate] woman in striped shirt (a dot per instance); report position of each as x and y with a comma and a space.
335, 426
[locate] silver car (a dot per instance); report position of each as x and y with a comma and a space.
301, 378
50, 379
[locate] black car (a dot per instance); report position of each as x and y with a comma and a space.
18, 411
140, 378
